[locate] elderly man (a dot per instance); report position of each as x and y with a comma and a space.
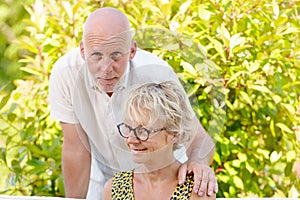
86, 92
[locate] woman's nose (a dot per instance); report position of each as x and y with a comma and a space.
132, 138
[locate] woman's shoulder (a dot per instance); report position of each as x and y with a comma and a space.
107, 194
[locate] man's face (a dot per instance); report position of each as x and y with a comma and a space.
107, 58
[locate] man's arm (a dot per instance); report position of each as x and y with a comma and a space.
202, 148
76, 161
200, 154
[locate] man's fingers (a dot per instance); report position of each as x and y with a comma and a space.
196, 187
198, 178
203, 184
212, 186
216, 188
182, 173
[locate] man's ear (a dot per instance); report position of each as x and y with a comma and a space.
82, 50
133, 50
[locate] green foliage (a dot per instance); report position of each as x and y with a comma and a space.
31, 149
244, 85
239, 62
11, 27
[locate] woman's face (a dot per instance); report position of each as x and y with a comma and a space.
158, 145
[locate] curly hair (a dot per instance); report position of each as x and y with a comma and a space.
165, 103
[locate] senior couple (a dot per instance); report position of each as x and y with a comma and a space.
129, 129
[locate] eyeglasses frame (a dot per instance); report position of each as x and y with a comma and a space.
135, 133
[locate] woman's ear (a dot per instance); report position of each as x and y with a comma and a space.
173, 138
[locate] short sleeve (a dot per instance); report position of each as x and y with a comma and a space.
61, 87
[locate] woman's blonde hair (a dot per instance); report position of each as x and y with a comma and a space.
165, 103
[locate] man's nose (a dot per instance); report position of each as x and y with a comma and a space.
106, 64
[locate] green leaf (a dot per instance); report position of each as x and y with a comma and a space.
238, 182
68, 9
235, 41
183, 8
253, 67
11, 117
289, 108
235, 76
246, 97
272, 128
4, 100
263, 152
293, 192
249, 168
223, 178
202, 50
288, 169
225, 35
217, 158
274, 157
16, 165
193, 90
236, 163
296, 83
261, 88
283, 127
203, 12
242, 157
230, 169
219, 47
276, 98
188, 68
291, 155
289, 31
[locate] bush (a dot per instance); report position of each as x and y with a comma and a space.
238, 61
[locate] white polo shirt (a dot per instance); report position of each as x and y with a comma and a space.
76, 99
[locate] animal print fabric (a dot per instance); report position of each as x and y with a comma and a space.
122, 187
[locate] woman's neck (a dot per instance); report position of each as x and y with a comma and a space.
155, 184
155, 175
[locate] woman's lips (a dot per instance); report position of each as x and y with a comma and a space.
135, 150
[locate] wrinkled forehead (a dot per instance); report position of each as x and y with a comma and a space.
108, 43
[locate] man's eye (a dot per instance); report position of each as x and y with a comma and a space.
97, 55
116, 56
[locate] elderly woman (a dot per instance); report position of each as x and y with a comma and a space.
157, 122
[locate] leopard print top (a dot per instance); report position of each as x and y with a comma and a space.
122, 187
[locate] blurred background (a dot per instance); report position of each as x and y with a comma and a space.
238, 60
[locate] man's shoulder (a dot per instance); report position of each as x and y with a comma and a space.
70, 61
143, 57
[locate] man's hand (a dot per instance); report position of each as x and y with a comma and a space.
204, 178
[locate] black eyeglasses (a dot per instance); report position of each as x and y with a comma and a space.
140, 132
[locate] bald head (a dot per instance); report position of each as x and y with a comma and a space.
107, 46
106, 22
107, 29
